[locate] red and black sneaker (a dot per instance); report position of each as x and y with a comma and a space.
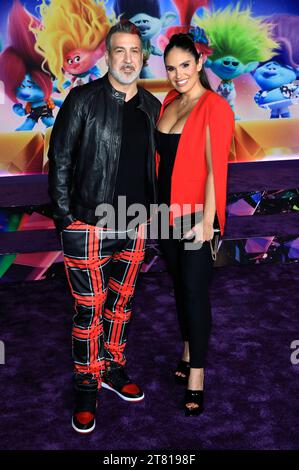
117, 380
86, 389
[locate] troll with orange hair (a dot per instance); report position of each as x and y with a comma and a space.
72, 39
186, 10
22, 74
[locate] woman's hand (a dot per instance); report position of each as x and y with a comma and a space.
202, 232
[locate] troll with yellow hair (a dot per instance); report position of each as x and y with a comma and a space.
72, 39
239, 42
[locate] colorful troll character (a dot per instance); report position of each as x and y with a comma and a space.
276, 76
186, 9
21, 73
72, 39
239, 42
146, 15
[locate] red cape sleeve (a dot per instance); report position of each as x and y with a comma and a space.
221, 124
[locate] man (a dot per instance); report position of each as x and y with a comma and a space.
102, 147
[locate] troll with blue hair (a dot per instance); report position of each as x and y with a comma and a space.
239, 43
146, 15
276, 77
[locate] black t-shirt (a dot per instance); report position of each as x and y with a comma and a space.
132, 180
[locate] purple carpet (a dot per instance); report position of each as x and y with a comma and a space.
251, 387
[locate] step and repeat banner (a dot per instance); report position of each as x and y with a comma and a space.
47, 47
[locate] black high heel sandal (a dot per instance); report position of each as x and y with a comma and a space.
184, 368
194, 396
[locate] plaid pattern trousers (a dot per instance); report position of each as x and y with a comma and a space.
102, 268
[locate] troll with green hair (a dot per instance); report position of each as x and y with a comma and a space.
239, 42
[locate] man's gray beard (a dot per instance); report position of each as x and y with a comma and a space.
121, 79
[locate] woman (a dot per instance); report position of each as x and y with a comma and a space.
194, 135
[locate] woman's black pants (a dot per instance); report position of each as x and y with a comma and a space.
191, 271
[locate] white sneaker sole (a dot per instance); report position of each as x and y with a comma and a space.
104, 385
83, 431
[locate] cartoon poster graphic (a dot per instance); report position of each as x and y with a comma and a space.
50, 46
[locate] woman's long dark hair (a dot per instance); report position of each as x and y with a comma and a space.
185, 42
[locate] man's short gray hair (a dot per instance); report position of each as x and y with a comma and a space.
123, 26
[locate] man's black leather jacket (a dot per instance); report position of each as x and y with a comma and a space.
85, 146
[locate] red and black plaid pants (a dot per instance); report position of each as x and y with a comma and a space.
102, 273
